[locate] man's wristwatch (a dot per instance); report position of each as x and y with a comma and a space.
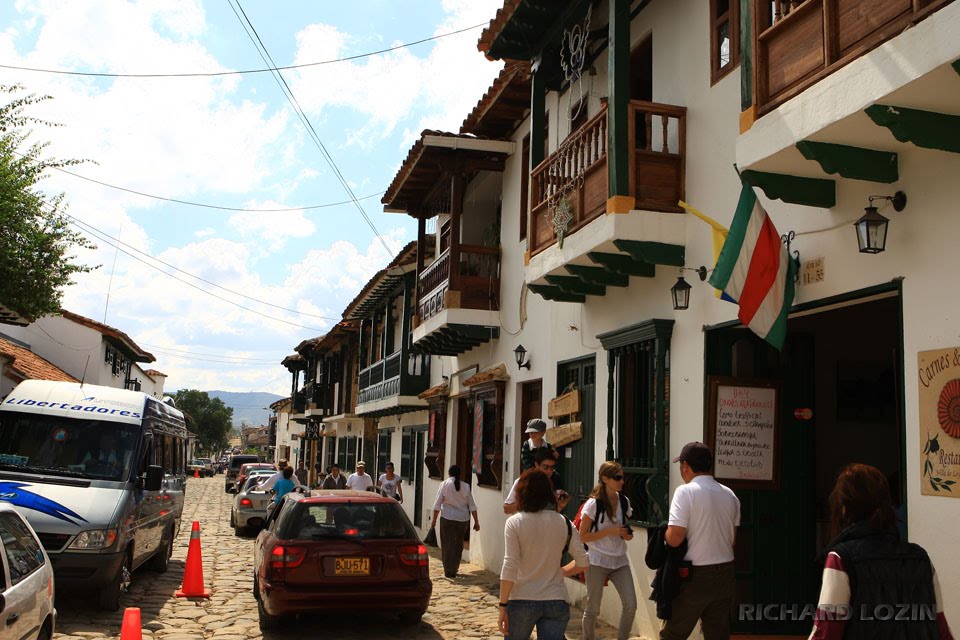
503, 604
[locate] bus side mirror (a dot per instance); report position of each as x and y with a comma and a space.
154, 480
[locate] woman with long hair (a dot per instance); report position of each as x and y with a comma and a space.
532, 593
454, 505
603, 526
889, 572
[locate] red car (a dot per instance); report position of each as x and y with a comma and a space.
246, 468
339, 551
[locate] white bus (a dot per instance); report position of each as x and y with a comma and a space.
99, 473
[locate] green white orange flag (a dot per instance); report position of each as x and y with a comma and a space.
755, 270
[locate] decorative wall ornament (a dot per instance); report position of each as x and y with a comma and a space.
573, 57
562, 217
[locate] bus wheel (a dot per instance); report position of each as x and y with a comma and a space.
110, 596
160, 562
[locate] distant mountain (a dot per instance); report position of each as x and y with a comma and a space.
247, 407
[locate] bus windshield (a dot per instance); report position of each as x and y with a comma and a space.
34, 443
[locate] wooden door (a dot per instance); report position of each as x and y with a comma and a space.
464, 455
531, 406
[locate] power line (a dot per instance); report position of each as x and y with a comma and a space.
292, 99
213, 74
117, 242
190, 284
210, 206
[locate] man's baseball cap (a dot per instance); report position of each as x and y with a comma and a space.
536, 425
362, 464
695, 454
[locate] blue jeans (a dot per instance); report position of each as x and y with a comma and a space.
550, 617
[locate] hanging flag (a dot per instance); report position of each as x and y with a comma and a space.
719, 233
756, 271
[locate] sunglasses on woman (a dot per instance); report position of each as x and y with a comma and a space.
617, 477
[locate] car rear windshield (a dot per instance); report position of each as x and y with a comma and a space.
236, 461
365, 520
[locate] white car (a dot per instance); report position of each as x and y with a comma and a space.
26, 607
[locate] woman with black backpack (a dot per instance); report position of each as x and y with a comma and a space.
603, 527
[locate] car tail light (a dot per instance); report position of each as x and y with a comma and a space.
285, 557
246, 502
414, 555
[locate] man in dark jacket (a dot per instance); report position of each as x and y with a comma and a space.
671, 569
334, 479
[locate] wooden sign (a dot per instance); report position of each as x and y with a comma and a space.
938, 380
564, 434
743, 424
564, 404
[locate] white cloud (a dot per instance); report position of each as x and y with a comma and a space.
271, 230
205, 233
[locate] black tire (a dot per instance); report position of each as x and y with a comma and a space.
46, 631
160, 561
411, 617
239, 531
267, 621
109, 598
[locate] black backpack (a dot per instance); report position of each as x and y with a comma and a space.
600, 515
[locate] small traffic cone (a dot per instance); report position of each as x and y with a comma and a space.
193, 572
130, 629
196, 473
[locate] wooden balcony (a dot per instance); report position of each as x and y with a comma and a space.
577, 171
796, 44
476, 279
383, 384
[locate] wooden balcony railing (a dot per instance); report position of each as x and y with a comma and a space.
476, 278
400, 373
793, 49
577, 171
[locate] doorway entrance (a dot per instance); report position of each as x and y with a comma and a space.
576, 467
840, 372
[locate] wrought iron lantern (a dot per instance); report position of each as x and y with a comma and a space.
681, 294
521, 355
872, 227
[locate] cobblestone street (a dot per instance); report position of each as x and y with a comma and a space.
460, 608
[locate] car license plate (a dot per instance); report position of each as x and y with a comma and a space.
351, 566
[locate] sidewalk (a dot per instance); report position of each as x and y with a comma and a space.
467, 604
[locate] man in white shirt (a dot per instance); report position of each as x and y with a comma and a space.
705, 514
360, 480
267, 484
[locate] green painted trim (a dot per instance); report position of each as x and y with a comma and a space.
855, 163
653, 252
556, 294
904, 489
618, 104
598, 275
809, 192
746, 55
625, 265
538, 116
927, 129
573, 284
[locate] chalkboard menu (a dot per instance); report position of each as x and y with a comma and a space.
743, 424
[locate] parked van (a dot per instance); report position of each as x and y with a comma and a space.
99, 474
233, 470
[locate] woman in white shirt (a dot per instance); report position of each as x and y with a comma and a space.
389, 483
607, 535
454, 505
532, 593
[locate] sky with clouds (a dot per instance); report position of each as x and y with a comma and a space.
235, 141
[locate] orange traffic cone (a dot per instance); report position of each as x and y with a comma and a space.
193, 573
196, 473
130, 629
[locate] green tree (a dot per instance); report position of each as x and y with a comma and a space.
36, 262
207, 417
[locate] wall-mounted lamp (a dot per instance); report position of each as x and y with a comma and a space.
872, 227
680, 292
521, 355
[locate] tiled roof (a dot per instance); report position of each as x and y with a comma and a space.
325, 342
154, 373
9, 316
496, 25
504, 103
138, 354
26, 365
410, 164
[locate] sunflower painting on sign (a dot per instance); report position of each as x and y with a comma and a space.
938, 377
